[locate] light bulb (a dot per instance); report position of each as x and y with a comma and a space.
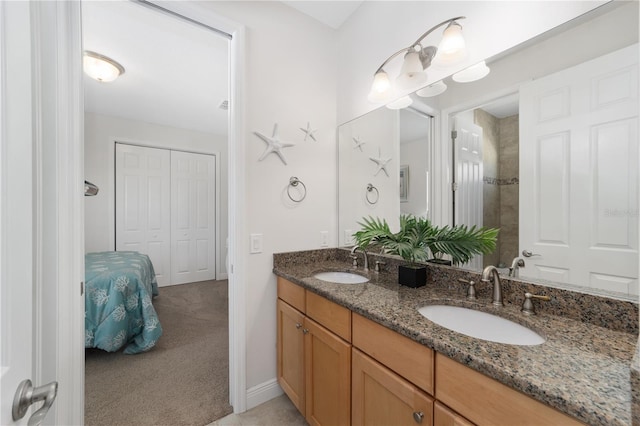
452, 48
473, 73
403, 102
412, 74
381, 89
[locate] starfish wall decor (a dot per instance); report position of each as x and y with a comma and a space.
309, 132
273, 144
381, 162
359, 143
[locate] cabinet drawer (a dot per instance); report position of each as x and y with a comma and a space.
291, 293
409, 359
331, 315
443, 416
484, 400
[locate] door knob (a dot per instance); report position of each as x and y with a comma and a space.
27, 395
527, 253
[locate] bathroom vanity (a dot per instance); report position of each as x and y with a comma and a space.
362, 354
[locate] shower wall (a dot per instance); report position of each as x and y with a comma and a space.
501, 177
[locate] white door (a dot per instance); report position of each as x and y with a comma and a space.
469, 177
143, 207
578, 171
40, 209
16, 226
192, 217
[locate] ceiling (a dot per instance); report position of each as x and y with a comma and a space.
176, 73
330, 13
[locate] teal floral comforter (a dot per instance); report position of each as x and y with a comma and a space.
118, 309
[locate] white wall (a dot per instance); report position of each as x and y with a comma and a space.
379, 131
380, 28
290, 80
415, 154
100, 133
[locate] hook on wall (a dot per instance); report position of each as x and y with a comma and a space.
293, 183
369, 194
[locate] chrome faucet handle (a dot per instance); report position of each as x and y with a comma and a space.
527, 305
377, 267
471, 291
516, 264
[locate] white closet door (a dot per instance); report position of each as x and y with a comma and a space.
143, 192
469, 174
578, 174
192, 217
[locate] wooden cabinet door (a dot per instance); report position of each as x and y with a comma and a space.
443, 416
328, 376
381, 397
290, 343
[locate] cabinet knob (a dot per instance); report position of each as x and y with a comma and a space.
305, 330
418, 416
298, 325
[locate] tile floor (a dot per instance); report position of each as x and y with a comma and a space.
276, 412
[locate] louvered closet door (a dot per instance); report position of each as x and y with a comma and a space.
192, 217
143, 185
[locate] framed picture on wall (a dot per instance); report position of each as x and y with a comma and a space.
404, 183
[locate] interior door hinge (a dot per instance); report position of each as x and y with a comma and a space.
81, 288
454, 186
454, 134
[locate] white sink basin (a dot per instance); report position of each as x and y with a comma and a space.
341, 277
481, 325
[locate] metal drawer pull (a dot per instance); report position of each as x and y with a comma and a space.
418, 416
298, 325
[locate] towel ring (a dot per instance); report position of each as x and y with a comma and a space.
370, 189
293, 182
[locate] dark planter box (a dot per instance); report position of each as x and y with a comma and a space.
412, 276
440, 261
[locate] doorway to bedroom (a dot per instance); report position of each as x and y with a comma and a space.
171, 96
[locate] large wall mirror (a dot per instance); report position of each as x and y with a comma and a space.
545, 148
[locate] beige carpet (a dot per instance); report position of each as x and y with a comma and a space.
183, 380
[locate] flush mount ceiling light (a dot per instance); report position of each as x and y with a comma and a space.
473, 73
417, 59
100, 67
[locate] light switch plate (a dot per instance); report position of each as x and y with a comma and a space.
324, 238
348, 237
256, 244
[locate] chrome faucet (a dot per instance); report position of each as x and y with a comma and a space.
364, 254
517, 263
497, 285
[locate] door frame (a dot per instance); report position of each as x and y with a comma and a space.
442, 165
111, 179
199, 13
60, 37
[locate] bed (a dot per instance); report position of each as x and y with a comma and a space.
118, 309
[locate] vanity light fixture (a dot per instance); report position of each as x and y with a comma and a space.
473, 73
433, 90
100, 67
417, 59
403, 102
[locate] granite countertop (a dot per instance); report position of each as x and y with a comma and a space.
582, 369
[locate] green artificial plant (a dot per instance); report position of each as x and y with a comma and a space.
417, 238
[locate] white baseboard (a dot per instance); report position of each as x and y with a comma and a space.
262, 393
